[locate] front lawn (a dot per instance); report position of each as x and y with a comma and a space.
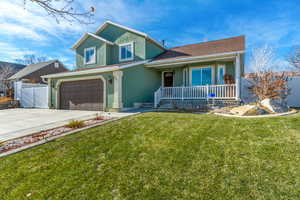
163, 156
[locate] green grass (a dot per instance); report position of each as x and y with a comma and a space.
163, 156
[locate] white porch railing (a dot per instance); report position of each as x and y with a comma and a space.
227, 91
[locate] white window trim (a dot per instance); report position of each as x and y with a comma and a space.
219, 67
199, 67
132, 52
94, 60
163, 78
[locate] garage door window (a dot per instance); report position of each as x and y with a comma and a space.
90, 55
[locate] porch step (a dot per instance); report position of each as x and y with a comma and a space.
144, 105
166, 106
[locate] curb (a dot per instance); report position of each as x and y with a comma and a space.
55, 137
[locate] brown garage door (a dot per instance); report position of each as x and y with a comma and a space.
82, 95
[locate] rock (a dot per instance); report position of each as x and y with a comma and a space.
248, 110
275, 105
242, 110
256, 111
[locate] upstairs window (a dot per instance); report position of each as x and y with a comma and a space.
90, 55
126, 52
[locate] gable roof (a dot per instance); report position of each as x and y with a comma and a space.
85, 36
30, 68
105, 24
234, 44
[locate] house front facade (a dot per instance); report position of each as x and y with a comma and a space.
118, 68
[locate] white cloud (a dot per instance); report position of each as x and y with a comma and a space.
31, 19
274, 32
10, 52
19, 31
126, 13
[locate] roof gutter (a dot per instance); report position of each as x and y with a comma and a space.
192, 59
94, 71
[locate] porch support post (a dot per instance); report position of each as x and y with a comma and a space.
237, 76
117, 104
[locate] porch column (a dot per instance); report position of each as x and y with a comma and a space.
237, 76
117, 104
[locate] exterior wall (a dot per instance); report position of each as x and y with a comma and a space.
100, 53
179, 71
109, 88
121, 36
152, 50
139, 85
35, 77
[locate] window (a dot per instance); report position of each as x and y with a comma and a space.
126, 52
221, 73
201, 76
90, 55
56, 65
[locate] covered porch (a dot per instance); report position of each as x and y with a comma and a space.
207, 78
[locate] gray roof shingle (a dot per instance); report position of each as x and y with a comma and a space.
29, 69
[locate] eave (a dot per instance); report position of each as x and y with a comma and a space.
193, 59
85, 36
94, 71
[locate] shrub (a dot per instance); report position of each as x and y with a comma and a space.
75, 124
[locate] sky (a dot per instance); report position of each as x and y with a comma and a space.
28, 29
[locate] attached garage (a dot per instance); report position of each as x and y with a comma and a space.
82, 95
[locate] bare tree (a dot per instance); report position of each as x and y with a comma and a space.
66, 11
5, 72
31, 59
267, 83
294, 59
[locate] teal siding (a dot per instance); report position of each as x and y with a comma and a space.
121, 36
152, 50
139, 85
177, 73
100, 53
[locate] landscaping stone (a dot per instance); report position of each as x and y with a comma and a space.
242, 110
275, 105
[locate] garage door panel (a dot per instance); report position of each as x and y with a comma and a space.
82, 95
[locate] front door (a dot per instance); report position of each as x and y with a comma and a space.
168, 79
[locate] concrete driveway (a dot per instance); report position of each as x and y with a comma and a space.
19, 122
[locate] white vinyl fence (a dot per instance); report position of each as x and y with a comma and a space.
293, 98
31, 95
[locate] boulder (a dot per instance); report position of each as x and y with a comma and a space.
275, 105
241, 110
248, 110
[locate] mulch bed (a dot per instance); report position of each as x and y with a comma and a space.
44, 135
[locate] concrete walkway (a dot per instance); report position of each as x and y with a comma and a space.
19, 122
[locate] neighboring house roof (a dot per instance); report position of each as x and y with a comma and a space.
103, 26
95, 70
85, 36
234, 44
30, 69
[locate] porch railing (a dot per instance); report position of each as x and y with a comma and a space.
226, 91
